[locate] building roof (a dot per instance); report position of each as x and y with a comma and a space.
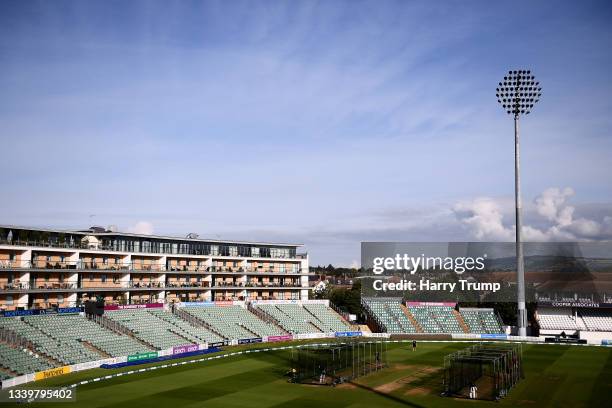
161, 237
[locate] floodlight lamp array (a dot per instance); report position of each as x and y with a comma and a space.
518, 92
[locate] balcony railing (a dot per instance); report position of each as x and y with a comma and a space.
81, 265
136, 266
144, 285
175, 284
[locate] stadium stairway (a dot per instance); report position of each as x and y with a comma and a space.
412, 319
265, 317
462, 323
195, 321
95, 349
118, 328
289, 321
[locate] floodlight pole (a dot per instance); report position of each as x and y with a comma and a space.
520, 263
517, 94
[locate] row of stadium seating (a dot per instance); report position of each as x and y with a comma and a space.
72, 338
47, 335
200, 333
597, 319
289, 321
295, 318
389, 315
436, 319
159, 328
78, 330
232, 322
393, 318
21, 361
563, 318
481, 320
328, 317
559, 319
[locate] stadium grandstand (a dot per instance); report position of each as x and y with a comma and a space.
33, 342
570, 320
391, 316
160, 329
39, 342
306, 318
481, 320
230, 322
580, 313
388, 315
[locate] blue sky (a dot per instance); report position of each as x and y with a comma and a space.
326, 123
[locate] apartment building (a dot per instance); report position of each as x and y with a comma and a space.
43, 268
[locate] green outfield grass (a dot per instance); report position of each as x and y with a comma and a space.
556, 376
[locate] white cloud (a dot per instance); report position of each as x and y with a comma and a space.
484, 219
551, 204
141, 227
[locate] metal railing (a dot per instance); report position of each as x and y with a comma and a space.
138, 266
144, 249
99, 285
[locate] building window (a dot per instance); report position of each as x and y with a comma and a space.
103, 278
47, 277
60, 298
9, 300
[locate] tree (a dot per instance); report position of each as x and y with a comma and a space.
347, 300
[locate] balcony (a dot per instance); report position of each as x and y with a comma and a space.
42, 265
25, 286
188, 285
110, 285
145, 285
80, 265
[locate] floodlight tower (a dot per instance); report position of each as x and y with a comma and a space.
517, 94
